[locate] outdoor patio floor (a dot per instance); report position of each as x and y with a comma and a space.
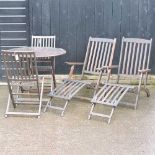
130, 132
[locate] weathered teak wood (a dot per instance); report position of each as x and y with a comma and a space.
134, 61
22, 76
46, 66
100, 52
134, 56
43, 41
98, 59
109, 95
65, 91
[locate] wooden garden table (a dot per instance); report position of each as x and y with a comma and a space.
43, 52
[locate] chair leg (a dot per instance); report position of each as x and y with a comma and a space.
48, 104
20, 113
64, 108
98, 82
145, 88
8, 105
110, 116
91, 110
41, 96
138, 92
99, 114
118, 77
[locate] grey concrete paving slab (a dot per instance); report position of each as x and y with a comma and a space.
131, 132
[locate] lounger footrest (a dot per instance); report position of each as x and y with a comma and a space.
68, 89
111, 94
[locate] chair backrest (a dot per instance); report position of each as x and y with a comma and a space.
100, 52
20, 66
21, 70
43, 41
134, 56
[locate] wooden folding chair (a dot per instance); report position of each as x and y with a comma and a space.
46, 66
22, 78
134, 63
99, 56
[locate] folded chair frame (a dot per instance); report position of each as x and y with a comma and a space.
22, 77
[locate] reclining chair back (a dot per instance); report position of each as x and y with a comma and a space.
135, 55
100, 52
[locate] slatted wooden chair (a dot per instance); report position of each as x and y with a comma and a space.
134, 63
22, 78
100, 52
99, 56
45, 65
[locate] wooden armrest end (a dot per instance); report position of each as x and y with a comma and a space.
144, 70
107, 67
74, 63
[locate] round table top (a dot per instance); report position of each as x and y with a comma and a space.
41, 51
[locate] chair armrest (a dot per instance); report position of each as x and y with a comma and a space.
74, 63
144, 71
107, 67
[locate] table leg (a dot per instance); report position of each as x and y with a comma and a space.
53, 72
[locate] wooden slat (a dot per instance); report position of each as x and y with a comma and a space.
149, 53
67, 89
90, 55
108, 54
43, 41
134, 55
93, 57
129, 58
59, 88
99, 53
104, 53
125, 57
132, 59
76, 89
140, 56
104, 92
121, 91
96, 63
111, 94
136, 59
145, 56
